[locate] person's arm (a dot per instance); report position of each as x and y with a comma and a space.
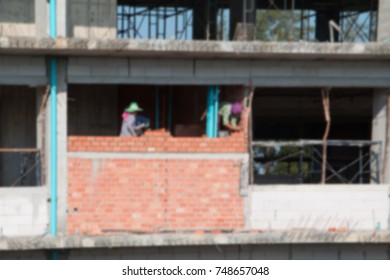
231, 127
229, 121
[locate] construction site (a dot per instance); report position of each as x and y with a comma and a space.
306, 175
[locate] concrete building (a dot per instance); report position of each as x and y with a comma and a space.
281, 188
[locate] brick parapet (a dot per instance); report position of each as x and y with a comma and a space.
159, 142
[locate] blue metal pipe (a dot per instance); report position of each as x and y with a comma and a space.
54, 255
53, 19
53, 124
210, 112
157, 108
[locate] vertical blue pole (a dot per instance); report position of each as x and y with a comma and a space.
157, 108
170, 108
210, 115
53, 124
53, 18
216, 105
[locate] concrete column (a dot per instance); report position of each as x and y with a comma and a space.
379, 133
384, 21
322, 24
41, 18
241, 11
205, 20
62, 132
40, 92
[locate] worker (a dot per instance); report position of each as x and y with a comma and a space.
133, 125
230, 115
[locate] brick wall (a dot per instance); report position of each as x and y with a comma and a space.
159, 141
108, 194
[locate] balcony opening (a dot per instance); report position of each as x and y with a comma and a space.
288, 130
21, 159
97, 110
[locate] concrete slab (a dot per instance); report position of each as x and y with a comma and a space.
198, 49
189, 239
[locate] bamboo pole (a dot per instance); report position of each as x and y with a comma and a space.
326, 107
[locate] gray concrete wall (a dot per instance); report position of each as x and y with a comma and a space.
243, 252
92, 19
42, 25
384, 21
23, 70
17, 18
352, 207
23, 211
219, 71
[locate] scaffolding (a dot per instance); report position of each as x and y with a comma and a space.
214, 19
154, 21
299, 162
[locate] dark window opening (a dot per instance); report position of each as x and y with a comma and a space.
288, 127
20, 158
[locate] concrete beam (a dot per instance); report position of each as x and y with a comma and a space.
194, 49
127, 240
22, 70
281, 73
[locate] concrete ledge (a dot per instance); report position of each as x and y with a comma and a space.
171, 239
206, 49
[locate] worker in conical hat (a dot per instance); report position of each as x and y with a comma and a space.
132, 124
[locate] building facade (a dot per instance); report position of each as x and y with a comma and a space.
305, 177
